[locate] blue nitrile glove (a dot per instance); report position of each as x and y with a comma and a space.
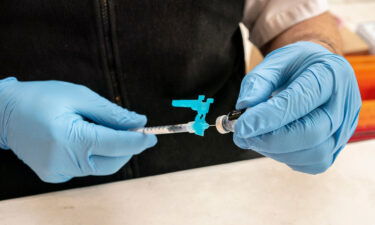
313, 116
45, 124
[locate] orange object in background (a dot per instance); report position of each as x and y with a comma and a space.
366, 125
364, 68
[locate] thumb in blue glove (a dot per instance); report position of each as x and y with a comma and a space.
313, 116
46, 125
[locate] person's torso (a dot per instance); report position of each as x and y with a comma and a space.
139, 54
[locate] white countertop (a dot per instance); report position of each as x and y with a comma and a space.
259, 191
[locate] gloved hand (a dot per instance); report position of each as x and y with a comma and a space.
45, 124
310, 120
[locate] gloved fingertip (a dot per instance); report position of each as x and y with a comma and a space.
241, 143
254, 90
8, 80
3, 146
243, 129
251, 100
65, 178
55, 179
134, 120
240, 104
243, 103
146, 141
313, 169
151, 140
142, 119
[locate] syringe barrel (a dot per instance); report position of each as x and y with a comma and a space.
168, 129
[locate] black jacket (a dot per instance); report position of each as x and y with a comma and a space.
139, 54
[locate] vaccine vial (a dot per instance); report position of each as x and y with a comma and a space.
225, 123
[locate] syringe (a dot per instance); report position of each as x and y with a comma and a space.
167, 129
224, 124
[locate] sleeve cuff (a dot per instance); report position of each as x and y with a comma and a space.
274, 20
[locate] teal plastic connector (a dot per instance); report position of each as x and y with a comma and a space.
202, 108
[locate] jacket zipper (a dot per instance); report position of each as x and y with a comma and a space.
110, 58
130, 170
